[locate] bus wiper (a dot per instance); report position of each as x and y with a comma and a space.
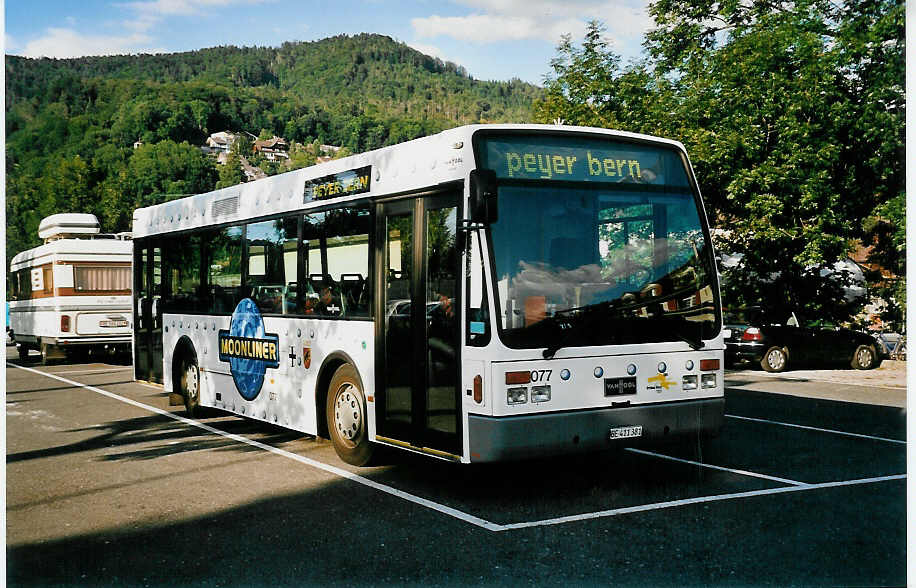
562, 318
562, 340
694, 342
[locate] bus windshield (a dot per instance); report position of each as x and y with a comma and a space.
587, 262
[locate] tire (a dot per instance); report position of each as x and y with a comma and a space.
189, 383
23, 352
45, 354
346, 414
774, 360
865, 358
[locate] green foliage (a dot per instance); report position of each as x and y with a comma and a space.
793, 117
231, 174
71, 124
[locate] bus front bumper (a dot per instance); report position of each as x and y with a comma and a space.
538, 435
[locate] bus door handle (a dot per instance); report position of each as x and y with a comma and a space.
140, 300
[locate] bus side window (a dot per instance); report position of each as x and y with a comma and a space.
337, 256
272, 260
224, 270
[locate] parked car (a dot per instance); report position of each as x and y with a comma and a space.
777, 346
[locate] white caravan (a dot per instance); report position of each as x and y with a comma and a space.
72, 293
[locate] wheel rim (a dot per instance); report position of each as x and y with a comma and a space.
348, 413
776, 359
191, 383
864, 357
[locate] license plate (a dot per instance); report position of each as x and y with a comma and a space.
619, 386
625, 432
112, 324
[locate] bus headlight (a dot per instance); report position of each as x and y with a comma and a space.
540, 394
517, 395
709, 380
690, 383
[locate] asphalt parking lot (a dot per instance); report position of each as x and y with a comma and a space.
108, 485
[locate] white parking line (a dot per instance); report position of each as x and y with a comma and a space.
860, 436
441, 508
720, 468
697, 500
93, 371
463, 516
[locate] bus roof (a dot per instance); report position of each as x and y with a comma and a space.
428, 161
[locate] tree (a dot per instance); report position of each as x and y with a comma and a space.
157, 173
792, 114
231, 173
583, 88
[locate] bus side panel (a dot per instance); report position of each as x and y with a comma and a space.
286, 395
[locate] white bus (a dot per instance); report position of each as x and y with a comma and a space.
487, 293
72, 293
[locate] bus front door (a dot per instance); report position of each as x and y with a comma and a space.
418, 400
147, 313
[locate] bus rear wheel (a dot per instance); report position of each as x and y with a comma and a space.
346, 417
189, 382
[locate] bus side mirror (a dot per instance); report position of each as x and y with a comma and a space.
483, 196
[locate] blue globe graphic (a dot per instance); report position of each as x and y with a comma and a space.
247, 373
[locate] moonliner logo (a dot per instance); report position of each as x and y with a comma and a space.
248, 349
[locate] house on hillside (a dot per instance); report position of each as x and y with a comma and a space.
251, 172
221, 142
326, 153
273, 149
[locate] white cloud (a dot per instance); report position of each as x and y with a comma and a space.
64, 43
134, 30
512, 20
150, 13
483, 28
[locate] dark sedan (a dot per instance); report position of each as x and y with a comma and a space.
777, 346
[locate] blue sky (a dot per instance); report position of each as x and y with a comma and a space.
492, 39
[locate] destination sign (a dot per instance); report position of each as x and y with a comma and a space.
577, 159
348, 183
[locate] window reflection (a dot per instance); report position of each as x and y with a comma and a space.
272, 265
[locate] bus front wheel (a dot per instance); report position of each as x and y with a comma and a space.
346, 417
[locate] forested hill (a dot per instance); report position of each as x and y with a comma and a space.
71, 124
390, 76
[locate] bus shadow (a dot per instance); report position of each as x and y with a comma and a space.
307, 537
150, 437
544, 488
64, 387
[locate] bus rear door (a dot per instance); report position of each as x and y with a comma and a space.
148, 312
